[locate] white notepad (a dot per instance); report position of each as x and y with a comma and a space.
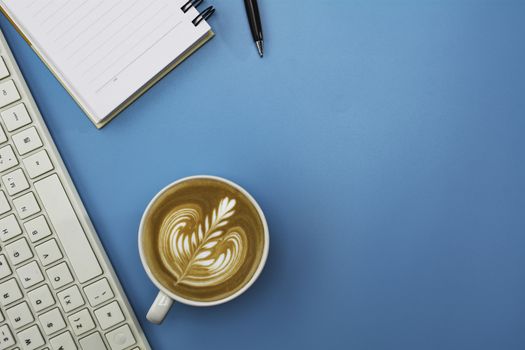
108, 52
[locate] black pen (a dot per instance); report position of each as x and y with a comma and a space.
252, 10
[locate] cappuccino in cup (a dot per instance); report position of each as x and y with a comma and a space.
203, 240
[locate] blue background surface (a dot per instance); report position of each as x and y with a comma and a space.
384, 141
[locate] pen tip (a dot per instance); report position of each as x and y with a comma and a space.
260, 47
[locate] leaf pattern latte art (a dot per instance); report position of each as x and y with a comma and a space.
206, 253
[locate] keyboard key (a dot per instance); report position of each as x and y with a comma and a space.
63, 341
81, 322
9, 292
26, 205
121, 338
59, 275
30, 274
70, 298
7, 158
36, 228
3, 137
93, 342
52, 321
8, 93
1, 317
4, 203
109, 315
16, 117
41, 298
68, 229
4, 72
98, 292
5, 270
19, 315
6, 337
27, 140
9, 228
48, 252
18, 251
15, 182
31, 338
38, 164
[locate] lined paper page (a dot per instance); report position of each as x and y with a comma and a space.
105, 50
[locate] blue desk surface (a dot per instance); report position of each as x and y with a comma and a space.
383, 139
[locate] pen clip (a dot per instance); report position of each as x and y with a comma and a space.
191, 3
204, 15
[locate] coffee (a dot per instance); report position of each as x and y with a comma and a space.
203, 239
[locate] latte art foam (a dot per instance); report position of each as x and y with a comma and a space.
201, 251
203, 239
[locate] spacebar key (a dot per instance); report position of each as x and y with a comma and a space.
68, 228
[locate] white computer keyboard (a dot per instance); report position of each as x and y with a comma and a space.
57, 288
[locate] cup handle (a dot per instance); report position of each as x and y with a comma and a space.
160, 307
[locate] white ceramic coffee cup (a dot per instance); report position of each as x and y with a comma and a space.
165, 297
